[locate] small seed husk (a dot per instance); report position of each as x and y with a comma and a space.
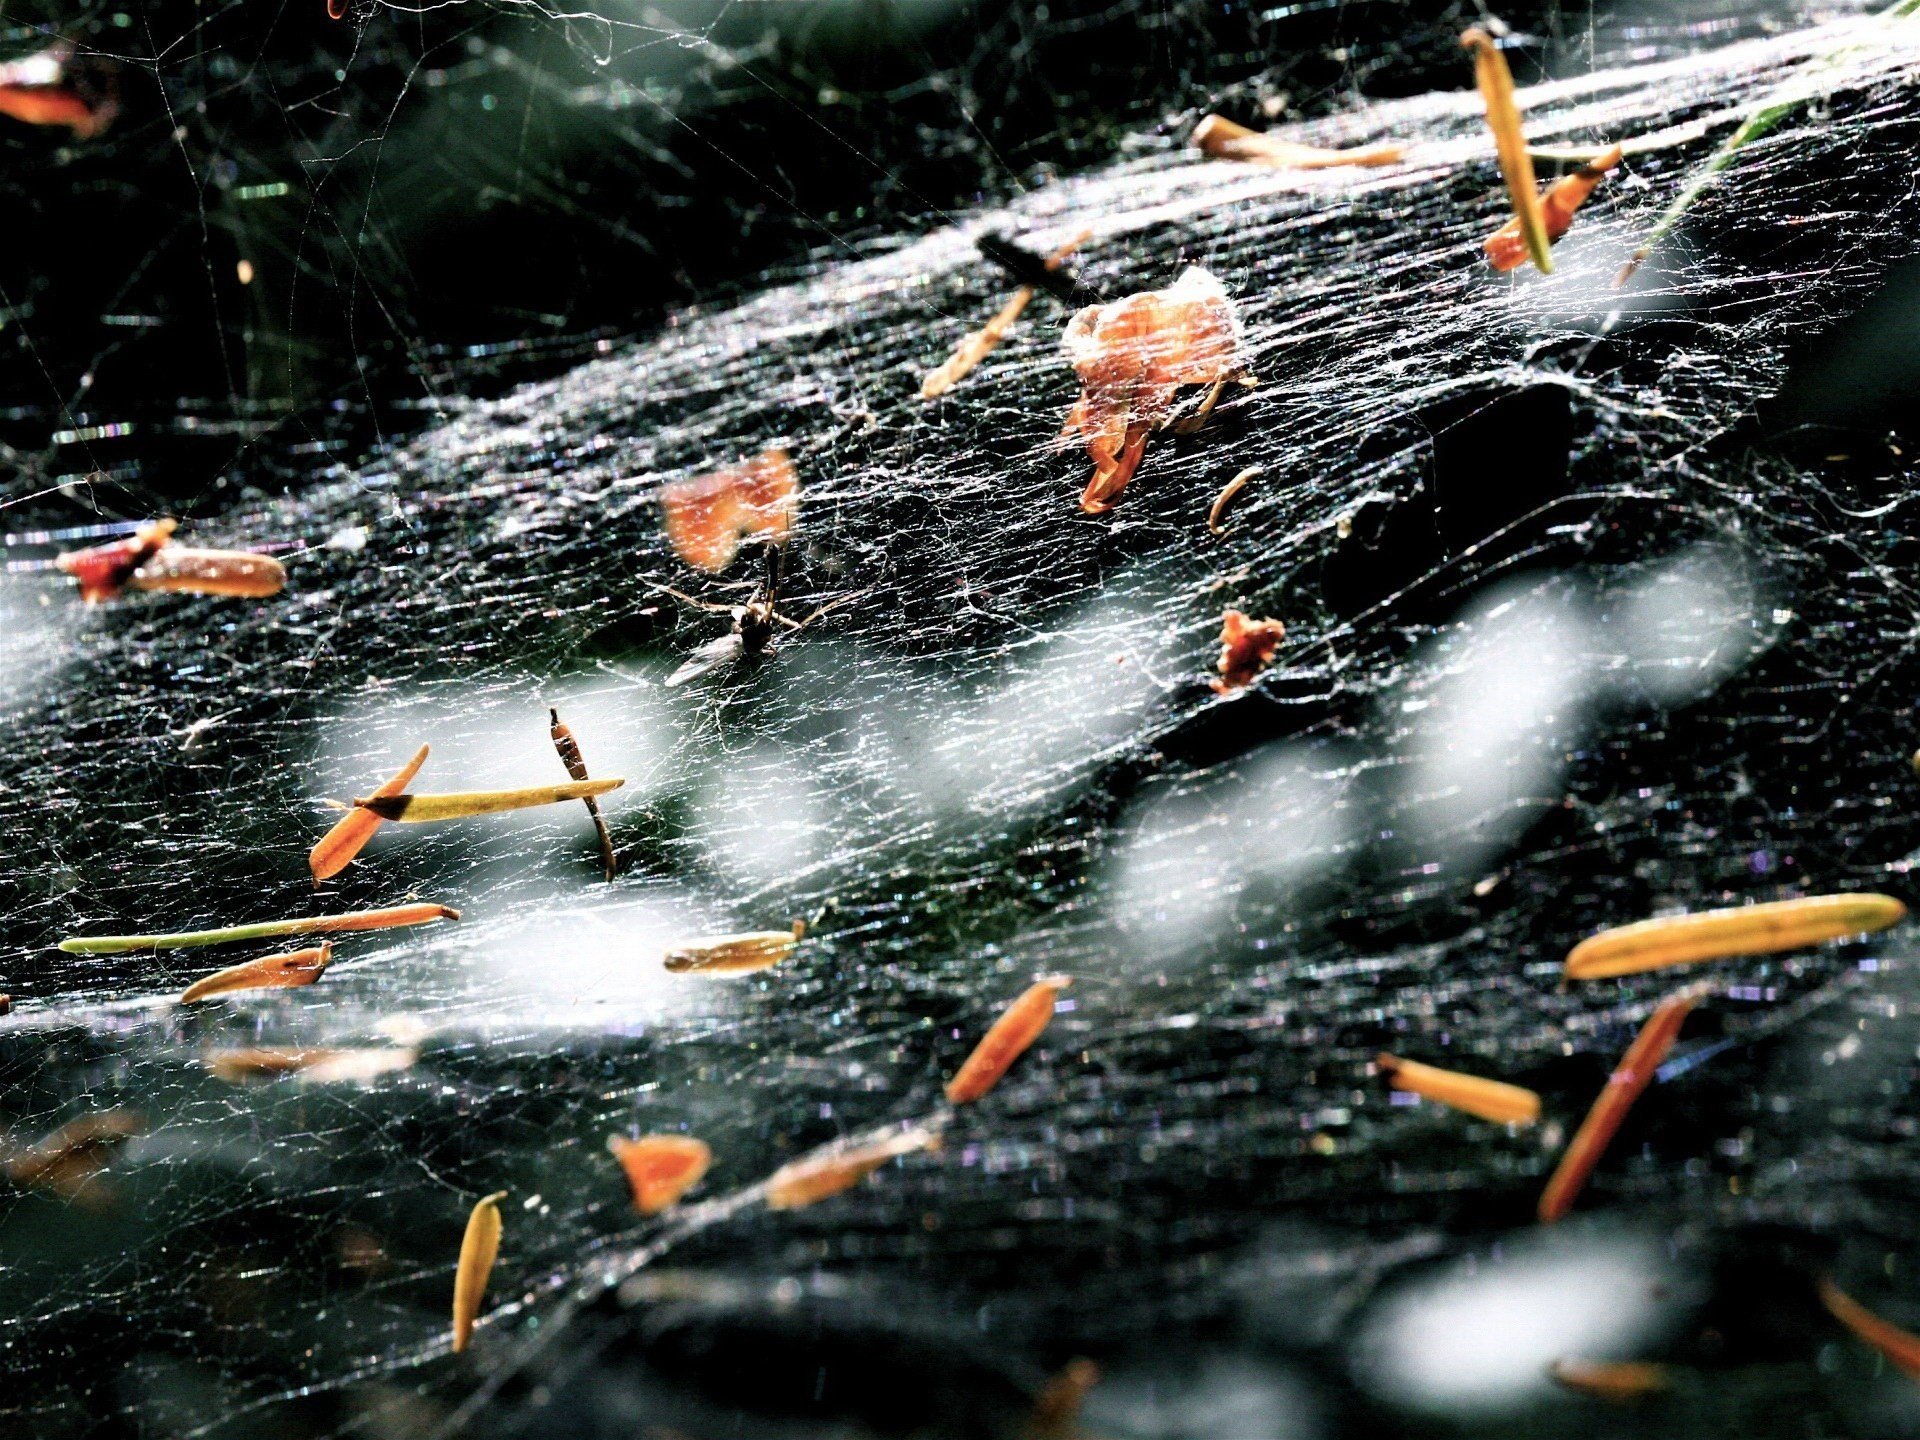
478, 1249
1006, 1041
840, 1166
741, 954
1621, 1382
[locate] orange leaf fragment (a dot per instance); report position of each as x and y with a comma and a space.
1246, 648
1132, 356
709, 516
274, 972
1901, 1348
55, 88
336, 849
1224, 140
1630, 1077
840, 1166
103, 570
1008, 1039
1507, 248
660, 1168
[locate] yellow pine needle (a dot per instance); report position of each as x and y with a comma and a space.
457, 805
1493, 1100
387, 919
1722, 934
740, 954
478, 1249
1495, 82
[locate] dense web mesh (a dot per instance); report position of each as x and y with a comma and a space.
1596, 606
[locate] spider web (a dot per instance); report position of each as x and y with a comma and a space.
1597, 605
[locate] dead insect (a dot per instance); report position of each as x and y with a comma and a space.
1493, 1100
751, 638
274, 972
1007, 1040
74, 1154
1132, 357
148, 560
568, 750
707, 517
337, 848
1621, 1382
1630, 1077
1900, 1347
1246, 648
420, 809
1507, 248
660, 1168
57, 87
1723, 934
478, 1249
980, 344
1224, 140
741, 954
840, 1166
1495, 81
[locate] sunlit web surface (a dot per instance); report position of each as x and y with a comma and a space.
1572, 638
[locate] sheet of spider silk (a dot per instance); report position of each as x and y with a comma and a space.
1572, 638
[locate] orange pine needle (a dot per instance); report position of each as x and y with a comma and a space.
1621, 1382
660, 1168
337, 848
1006, 1041
1224, 140
1507, 248
1630, 1077
274, 972
1247, 647
319, 1066
479, 1247
1901, 1348
840, 1166
1493, 1100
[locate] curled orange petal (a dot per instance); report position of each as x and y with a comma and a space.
660, 1168
707, 517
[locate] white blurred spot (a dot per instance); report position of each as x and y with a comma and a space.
1687, 626
761, 816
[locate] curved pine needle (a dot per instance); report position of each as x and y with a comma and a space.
273, 972
336, 849
478, 1249
568, 749
1224, 140
1493, 1100
660, 1168
1007, 1040
391, 918
1225, 497
1621, 1382
1629, 1078
458, 804
741, 954
1723, 934
840, 1166
1901, 1348
1495, 82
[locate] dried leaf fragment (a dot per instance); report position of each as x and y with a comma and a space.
1495, 82
1507, 248
72, 1155
55, 87
1901, 1348
336, 849
1247, 647
707, 517
1630, 1077
840, 1166
1723, 934
1132, 356
479, 1247
980, 344
660, 1168
740, 954
1007, 1040
459, 804
1493, 1100
273, 972
1621, 1382
568, 750
390, 918
1224, 140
